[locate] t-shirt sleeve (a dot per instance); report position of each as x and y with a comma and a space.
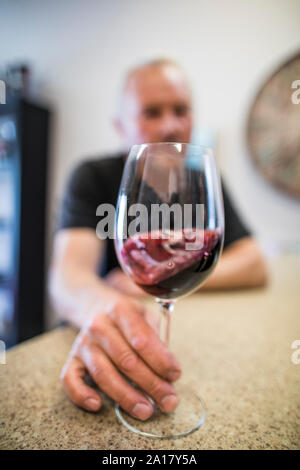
235, 229
81, 198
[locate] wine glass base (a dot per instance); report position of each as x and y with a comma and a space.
188, 417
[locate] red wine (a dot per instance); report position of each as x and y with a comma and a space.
164, 266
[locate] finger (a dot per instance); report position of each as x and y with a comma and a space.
153, 320
110, 381
79, 393
126, 316
128, 362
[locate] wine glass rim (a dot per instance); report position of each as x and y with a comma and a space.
206, 147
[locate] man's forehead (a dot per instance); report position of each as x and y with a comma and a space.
149, 82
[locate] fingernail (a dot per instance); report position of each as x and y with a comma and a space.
174, 375
92, 404
169, 402
174, 363
142, 411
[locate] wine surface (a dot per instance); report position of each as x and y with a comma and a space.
170, 265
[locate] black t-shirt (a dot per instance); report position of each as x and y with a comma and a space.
97, 181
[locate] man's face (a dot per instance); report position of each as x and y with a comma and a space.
156, 107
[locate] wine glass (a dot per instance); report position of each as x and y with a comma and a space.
169, 233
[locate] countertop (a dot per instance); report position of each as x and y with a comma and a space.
236, 346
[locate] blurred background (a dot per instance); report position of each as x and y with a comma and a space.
64, 61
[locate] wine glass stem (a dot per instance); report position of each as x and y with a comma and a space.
166, 309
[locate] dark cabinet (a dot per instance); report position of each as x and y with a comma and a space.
24, 131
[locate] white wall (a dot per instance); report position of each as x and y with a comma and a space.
79, 50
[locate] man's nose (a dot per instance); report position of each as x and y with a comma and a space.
169, 124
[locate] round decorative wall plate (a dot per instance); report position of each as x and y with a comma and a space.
273, 130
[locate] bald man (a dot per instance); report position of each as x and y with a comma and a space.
118, 337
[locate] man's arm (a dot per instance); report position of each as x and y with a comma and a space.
240, 265
115, 336
74, 286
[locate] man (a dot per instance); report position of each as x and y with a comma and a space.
117, 337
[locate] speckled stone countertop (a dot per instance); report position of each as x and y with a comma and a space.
235, 345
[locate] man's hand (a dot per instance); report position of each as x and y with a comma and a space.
118, 280
116, 341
